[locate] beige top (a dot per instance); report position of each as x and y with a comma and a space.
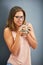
24, 57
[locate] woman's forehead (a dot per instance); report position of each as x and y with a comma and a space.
20, 13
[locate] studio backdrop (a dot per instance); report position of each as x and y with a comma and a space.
34, 15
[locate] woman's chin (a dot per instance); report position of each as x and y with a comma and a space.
19, 25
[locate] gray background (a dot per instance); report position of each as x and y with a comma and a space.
34, 15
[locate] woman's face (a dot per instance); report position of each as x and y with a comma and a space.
19, 18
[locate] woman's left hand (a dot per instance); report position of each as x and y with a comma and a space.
31, 36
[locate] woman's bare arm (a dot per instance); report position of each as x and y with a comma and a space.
31, 37
12, 44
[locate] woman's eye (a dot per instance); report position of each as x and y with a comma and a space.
17, 16
21, 17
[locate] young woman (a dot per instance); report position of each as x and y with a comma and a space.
18, 39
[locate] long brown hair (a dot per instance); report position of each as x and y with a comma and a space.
10, 21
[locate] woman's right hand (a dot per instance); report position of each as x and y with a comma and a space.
22, 30
19, 32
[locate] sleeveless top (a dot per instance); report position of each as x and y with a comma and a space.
24, 57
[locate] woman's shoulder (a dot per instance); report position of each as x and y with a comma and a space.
7, 29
